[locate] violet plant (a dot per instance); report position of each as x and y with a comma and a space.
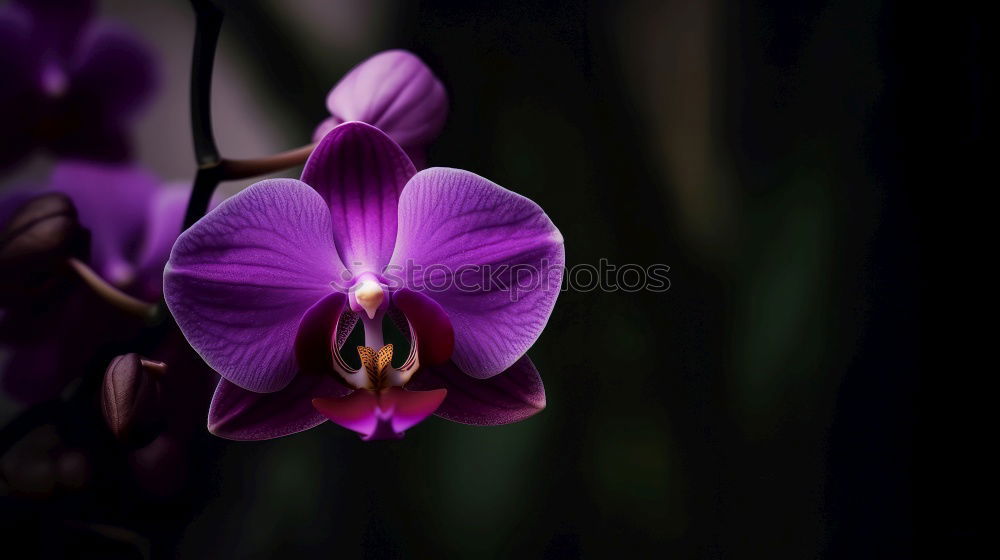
267, 286
260, 287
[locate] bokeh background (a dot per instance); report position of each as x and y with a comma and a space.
771, 153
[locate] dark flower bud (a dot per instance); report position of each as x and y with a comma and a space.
37, 240
132, 399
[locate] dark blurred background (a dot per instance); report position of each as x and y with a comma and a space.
800, 166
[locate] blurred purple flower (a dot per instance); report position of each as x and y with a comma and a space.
133, 220
71, 84
133, 217
395, 92
267, 287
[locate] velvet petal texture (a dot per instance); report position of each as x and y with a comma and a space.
244, 415
490, 257
318, 328
358, 411
360, 172
435, 336
396, 92
509, 397
240, 279
326, 126
409, 408
383, 415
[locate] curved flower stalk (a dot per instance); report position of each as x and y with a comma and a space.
395, 92
267, 286
71, 84
130, 243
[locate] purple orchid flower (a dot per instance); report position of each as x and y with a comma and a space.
133, 218
395, 92
71, 84
267, 287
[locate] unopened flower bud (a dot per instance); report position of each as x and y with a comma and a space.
36, 240
132, 399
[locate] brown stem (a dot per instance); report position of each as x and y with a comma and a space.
111, 294
244, 168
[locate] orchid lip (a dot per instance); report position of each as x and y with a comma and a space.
376, 371
370, 297
325, 327
383, 414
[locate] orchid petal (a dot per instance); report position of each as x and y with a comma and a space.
115, 74
244, 415
409, 408
383, 415
240, 279
325, 127
435, 336
490, 257
511, 396
357, 411
316, 333
395, 92
360, 172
